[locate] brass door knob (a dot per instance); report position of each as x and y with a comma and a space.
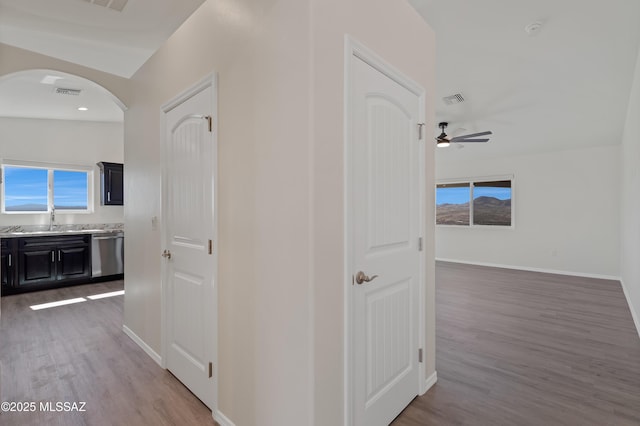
362, 278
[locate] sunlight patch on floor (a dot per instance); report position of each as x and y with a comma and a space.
103, 295
58, 303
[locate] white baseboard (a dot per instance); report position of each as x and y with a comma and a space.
154, 356
429, 382
222, 419
527, 268
634, 314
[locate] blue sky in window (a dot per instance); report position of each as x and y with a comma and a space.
495, 192
26, 189
69, 189
460, 195
452, 195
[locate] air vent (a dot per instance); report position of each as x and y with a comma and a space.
117, 5
70, 92
453, 99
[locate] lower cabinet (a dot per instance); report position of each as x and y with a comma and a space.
46, 262
7, 263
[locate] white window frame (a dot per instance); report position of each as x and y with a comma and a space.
471, 181
50, 167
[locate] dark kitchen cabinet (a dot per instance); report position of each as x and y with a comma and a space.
7, 263
44, 261
111, 184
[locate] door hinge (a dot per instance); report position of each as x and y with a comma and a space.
210, 246
420, 355
420, 126
210, 121
420, 244
210, 370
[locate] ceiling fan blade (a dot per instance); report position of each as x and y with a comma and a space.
468, 140
473, 135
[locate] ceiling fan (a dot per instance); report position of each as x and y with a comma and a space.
443, 140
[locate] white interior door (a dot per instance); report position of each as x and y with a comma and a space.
189, 226
385, 207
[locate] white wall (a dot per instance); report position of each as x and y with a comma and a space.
260, 52
280, 68
81, 143
630, 229
395, 31
566, 212
14, 59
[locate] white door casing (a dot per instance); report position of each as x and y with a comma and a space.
384, 207
189, 240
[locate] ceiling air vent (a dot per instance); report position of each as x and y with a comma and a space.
63, 91
111, 4
453, 99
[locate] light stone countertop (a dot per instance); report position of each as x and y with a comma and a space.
17, 231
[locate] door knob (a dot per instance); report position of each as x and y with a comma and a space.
362, 278
166, 254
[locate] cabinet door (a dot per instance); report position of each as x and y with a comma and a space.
115, 178
7, 260
37, 267
73, 262
111, 183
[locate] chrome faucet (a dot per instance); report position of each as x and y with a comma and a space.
52, 218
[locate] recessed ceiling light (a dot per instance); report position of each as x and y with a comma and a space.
533, 28
50, 79
83, 109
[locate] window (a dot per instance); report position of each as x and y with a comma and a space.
474, 203
452, 204
30, 189
492, 203
70, 190
25, 189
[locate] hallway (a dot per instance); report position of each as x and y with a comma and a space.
79, 353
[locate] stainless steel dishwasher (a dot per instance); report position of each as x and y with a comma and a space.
107, 254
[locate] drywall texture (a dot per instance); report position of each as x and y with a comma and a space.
566, 210
280, 67
13, 59
630, 229
395, 31
260, 53
81, 143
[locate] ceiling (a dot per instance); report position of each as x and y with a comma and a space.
32, 94
85, 33
564, 87
92, 33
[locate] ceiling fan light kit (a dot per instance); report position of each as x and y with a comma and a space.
444, 141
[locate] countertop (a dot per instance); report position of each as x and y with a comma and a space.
41, 231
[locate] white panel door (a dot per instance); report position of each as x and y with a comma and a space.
385, 207
189, 172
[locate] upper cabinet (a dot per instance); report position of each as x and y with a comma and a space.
111, 184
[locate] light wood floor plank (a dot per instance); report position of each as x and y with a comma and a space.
526, 348
513, 348
80, 353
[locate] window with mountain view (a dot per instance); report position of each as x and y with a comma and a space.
474, 203
35, 189
492, 203
452, 204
